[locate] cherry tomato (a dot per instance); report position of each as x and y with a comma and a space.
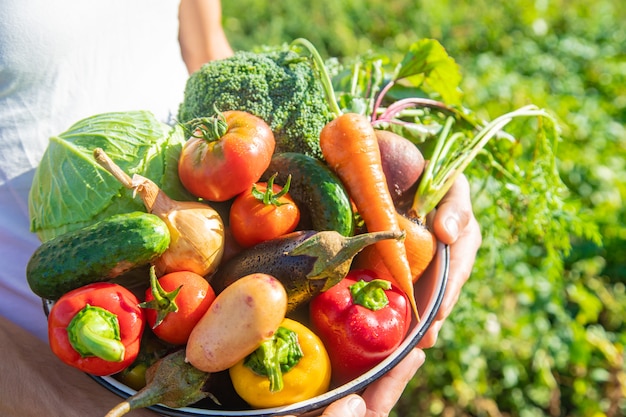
225, 155
265, 212
175, 303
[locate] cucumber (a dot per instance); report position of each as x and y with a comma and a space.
99, 252
323, 200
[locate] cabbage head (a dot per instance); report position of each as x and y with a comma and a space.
71, 190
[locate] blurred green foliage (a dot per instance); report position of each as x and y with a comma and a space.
521, 341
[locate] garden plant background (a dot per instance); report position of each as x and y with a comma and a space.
522, 341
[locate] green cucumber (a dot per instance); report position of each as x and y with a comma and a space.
99, 252
323, 200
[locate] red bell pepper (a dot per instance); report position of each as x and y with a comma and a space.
361, 321
96, 328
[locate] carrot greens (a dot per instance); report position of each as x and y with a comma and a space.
453, 152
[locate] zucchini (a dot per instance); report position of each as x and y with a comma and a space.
99, 252
323, 200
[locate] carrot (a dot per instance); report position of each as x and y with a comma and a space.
350, 148
420, 245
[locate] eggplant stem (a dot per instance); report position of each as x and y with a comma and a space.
119, 410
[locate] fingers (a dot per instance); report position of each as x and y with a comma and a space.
462, 256
350, 406
454, 212
430, 337
382, 395
454, 224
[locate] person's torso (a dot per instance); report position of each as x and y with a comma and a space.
62, 61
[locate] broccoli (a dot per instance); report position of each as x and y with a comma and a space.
279, 86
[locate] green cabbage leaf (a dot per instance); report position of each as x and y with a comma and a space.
71, 190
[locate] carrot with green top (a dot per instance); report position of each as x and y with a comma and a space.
350, 148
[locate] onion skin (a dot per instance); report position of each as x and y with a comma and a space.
196, 231
190, 225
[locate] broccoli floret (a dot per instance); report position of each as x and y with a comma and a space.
279, 86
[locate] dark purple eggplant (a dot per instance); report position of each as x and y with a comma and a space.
305, 262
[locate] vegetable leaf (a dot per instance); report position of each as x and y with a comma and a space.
70, 190
428, 65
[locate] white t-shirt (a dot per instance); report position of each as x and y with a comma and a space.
62, 61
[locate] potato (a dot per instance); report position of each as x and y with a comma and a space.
242, 316
402, 163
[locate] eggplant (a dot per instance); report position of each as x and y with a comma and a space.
306, 262
171, 381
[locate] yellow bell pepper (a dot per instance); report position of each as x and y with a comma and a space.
293, 366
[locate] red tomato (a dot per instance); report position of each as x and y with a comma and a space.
262, 214
225, 155
191, 302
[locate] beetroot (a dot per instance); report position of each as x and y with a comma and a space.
402, 163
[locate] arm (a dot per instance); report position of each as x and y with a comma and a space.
36, 383
200, 33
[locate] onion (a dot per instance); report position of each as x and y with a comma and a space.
196, 229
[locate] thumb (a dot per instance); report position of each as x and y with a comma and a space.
454, 212
349, 406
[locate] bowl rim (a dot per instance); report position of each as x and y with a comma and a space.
441, 261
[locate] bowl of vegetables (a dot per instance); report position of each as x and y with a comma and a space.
229, 262
207, 393
259, 336
283, 325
